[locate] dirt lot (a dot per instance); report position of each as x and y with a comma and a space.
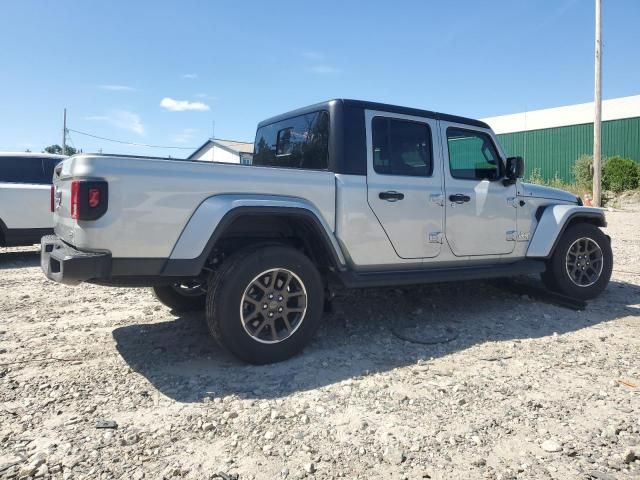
523, 389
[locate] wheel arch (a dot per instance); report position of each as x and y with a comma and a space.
553, 220
235, 222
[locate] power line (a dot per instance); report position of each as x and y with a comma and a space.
129, 143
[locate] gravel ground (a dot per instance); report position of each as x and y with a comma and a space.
516, 388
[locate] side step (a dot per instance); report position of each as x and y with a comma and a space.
541, 294
439, 275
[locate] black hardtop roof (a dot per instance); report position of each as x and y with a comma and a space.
374, 106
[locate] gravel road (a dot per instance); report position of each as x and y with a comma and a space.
511, 388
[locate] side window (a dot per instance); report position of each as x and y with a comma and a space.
472, 155
49, 165
401, 147
298, 142
22, 170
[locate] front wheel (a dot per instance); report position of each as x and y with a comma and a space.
581, 264
266, 304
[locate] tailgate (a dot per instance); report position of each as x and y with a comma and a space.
63, 223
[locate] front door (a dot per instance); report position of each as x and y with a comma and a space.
480, 209
404, 181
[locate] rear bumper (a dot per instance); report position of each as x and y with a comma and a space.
64, 264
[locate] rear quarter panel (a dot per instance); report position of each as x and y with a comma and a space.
151, 200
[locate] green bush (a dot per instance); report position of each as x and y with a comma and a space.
583, 172
619, 174
535, 177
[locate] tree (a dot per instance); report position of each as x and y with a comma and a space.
57, 149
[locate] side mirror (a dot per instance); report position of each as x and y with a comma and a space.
515, 168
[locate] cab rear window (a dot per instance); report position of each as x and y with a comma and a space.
297, 142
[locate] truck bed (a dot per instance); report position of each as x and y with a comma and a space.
152, 199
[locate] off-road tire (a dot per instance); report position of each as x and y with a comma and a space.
178, 302
225, 300
556, 277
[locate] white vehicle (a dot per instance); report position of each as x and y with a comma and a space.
340, 194
25, 197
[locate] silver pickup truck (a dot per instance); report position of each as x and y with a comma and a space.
340, 194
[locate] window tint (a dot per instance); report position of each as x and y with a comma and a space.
472, 155
401, 147
49, 165
298, 142
27, 169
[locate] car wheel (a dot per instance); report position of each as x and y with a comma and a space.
182, 297
581, 264
266, 304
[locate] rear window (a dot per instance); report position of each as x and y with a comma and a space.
297, 142
27, 169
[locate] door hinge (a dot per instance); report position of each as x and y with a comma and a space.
438, 199
435, 237
512, 201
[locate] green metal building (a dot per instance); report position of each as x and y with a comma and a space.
551, 140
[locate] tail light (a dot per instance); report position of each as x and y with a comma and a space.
89, 199
53, 198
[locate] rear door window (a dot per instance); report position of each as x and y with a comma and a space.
401, 147
26, 170
297, 142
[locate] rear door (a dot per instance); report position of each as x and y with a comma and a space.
25, 195
404, 181
480, 209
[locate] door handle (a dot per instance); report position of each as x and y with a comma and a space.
391, 196
459, 198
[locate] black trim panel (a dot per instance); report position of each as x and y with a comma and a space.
64, 264
17, 237
193, 267
437, 275
123, 267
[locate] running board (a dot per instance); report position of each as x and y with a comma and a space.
439, 275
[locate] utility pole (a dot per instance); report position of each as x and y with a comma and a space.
597, 123
64, 133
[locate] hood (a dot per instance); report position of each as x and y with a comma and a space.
540, 191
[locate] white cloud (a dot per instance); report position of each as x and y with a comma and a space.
116, 88
190, 76
184, 136
122, 119
183, 105
324, 70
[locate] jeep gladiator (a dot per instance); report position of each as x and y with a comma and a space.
340, 194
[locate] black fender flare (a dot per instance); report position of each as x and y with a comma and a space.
193, 267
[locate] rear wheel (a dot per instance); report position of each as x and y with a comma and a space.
581, 264
184, 296
266, 305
